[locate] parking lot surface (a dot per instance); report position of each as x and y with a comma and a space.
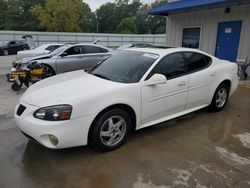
200, 150
5, 63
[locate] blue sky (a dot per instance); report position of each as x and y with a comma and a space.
94, 4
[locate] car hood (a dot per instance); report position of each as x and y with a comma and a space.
39, 57
67, 88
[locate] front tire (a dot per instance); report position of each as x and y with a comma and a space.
5, 52
110, 130
220, 98
48, 71
16, 87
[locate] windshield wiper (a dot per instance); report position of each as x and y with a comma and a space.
101, 76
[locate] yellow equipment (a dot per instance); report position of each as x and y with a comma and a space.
32, 74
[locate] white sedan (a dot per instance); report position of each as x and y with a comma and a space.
40, 50
133, 89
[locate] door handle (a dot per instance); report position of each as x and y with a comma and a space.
213, 74
181, 84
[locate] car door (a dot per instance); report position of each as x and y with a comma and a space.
21, 46
70, 60
200, 77
12, 47
93, 55
159, 101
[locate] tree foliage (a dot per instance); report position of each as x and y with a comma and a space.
76, 16
127, 26
59, 15
16, 15
110, 15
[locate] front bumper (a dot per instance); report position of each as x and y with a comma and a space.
69, 133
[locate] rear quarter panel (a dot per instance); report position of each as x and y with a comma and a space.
225, 71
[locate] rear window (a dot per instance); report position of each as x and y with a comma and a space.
94, 49
197, 61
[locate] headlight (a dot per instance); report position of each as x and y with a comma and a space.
54, 113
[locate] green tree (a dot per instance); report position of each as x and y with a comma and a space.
2, 13
106, 19
29, 21
142, 21
87, 19
12, 15
17, 15
110, 15
59, 15
157, 23
127, 26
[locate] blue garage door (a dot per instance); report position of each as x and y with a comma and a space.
228, 38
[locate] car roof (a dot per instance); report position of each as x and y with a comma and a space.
50, 44
162, 51
89, 44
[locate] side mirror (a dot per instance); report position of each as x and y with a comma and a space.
155, 80
64, 54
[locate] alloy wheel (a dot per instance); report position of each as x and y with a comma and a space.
221, 97
113, 130
5, 52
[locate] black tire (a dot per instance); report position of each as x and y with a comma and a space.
16, 87
245, 76
102, 142
5, 52
219, 101
48, 71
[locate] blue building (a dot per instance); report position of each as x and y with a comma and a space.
219, 27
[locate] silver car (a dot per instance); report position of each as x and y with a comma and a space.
69, 57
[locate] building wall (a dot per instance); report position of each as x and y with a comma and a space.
208, 20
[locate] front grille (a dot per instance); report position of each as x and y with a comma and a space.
20, 110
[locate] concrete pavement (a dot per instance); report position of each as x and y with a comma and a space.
5, 63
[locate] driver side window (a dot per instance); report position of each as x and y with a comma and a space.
74, 50
171, 66
12, 42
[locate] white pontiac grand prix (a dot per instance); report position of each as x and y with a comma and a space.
133, 89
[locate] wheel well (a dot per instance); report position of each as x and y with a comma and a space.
54, 72
124, 107
5, 49
228, 83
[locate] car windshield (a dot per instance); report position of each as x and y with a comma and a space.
58, 50
125, 66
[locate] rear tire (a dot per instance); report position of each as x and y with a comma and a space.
245, 76
220, 98
110, 130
